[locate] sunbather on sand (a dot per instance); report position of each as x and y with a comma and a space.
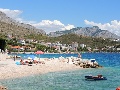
30, 63
21, 62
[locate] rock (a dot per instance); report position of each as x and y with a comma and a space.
3, 88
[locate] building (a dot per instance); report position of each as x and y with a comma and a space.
21, 42
74, 46
82, 45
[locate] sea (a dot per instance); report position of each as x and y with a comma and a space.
72, 80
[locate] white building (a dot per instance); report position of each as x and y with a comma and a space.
74, 45
21, 42
82, 45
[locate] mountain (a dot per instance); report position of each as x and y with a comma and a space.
9, 26
94, 31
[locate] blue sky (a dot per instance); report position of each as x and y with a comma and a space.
52, 15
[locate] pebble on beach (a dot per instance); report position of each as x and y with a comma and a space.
3, 88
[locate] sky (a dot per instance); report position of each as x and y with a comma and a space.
58, 15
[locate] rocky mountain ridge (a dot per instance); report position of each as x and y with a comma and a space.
94, 31
10, 26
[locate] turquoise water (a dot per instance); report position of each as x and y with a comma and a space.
73, 80
24, 56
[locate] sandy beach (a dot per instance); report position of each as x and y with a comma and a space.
9, 69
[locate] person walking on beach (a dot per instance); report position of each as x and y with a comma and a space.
79, 58
79, 55
14, 57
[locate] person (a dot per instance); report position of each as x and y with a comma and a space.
35, 61
14, 57
99, 76
30, 63
21, 62
79, 55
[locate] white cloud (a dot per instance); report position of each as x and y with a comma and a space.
47, 25
113, 26
55, 25
68, 27
15, 14
11, 13
51, 26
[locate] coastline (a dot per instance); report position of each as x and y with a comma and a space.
110, 71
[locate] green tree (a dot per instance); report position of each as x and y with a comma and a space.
41, 47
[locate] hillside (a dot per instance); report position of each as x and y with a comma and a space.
9, 26
87, 31
89, 41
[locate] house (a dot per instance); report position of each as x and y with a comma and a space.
21, 41
82, 45
118, 49
74, 46
15, 47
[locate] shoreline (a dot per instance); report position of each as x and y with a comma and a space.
60, 53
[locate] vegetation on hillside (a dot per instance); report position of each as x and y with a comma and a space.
36, 37
15, 30
89, 41
93, 43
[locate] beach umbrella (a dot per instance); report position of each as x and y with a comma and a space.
39, 52
31, 56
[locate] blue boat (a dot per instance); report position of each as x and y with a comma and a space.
94, 78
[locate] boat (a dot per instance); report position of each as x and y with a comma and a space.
118, 88
98, 77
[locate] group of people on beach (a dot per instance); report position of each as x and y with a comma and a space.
30, 62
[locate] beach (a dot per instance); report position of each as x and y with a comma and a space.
56, 74
9, 69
